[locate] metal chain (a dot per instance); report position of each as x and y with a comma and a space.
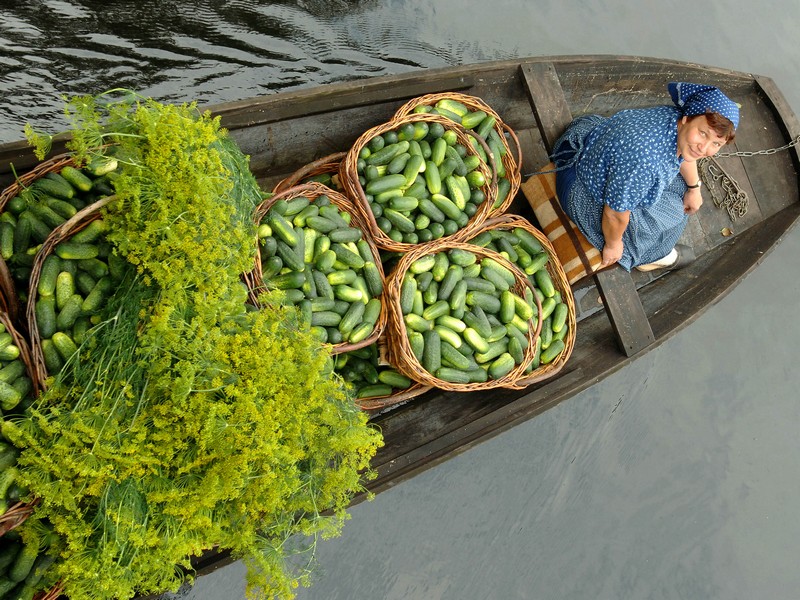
794, 142
733, 199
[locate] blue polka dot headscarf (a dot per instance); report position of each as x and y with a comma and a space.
695, 99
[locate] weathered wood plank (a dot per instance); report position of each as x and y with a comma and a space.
616, 286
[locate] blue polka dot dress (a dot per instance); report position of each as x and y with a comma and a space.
628, 161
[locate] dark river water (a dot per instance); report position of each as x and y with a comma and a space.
676, 478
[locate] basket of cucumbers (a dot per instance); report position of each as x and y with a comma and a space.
515, 238
74, 273
477, 116
32, 206
461, 318
417, 179
324, 170
315, 247
18, 386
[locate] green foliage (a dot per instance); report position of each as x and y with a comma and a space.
190, 421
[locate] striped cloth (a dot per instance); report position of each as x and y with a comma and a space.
578, 257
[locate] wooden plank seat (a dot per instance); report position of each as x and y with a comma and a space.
616, 286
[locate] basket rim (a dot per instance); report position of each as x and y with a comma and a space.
349, 180
325, 164
557, 272
254, 279
511, 161
399, 348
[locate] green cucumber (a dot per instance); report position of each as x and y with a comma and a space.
76, 178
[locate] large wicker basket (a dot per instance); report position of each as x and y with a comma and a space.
512, 159
400, 352
8, 290
560, 282
313, 190
348, 177
19, 511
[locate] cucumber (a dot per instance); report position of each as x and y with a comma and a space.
375, 390
552, 351
12, 371
501, 366
351, 318
6, 240
544, 282
431, 353
99, 293
452, 375
9, 396
64, 345
76, 178
453, 357
385, 183
24, 562
45, 311
52, 184
454, 274
282, 228
559, 315
394, 378
408, 288
76, 250
399, 220
48, 275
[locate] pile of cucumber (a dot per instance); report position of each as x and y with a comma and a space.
324, 265
369, 376
23, 564
30, 216
464, 321
75, 280
15, 382
420, 182
483, 124
522, 248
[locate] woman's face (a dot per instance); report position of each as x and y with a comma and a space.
696, 139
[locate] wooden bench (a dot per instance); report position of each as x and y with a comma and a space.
616, 286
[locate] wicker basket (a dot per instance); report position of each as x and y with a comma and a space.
8, 289
512, 159
400, 353
560, 282
312, 190
18, 512
51, 594
325, 165
76, 223
348, 177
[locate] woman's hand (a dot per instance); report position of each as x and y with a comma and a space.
692, 200
614, 224
612, 252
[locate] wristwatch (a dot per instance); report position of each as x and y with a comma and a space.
696, 185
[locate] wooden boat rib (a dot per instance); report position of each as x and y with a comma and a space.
537, 97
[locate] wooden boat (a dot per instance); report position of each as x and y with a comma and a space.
537, 98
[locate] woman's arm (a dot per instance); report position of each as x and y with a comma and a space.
692, 199
614, 224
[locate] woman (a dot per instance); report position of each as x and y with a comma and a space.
618, 176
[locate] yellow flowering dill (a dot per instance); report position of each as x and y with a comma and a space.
191, 421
